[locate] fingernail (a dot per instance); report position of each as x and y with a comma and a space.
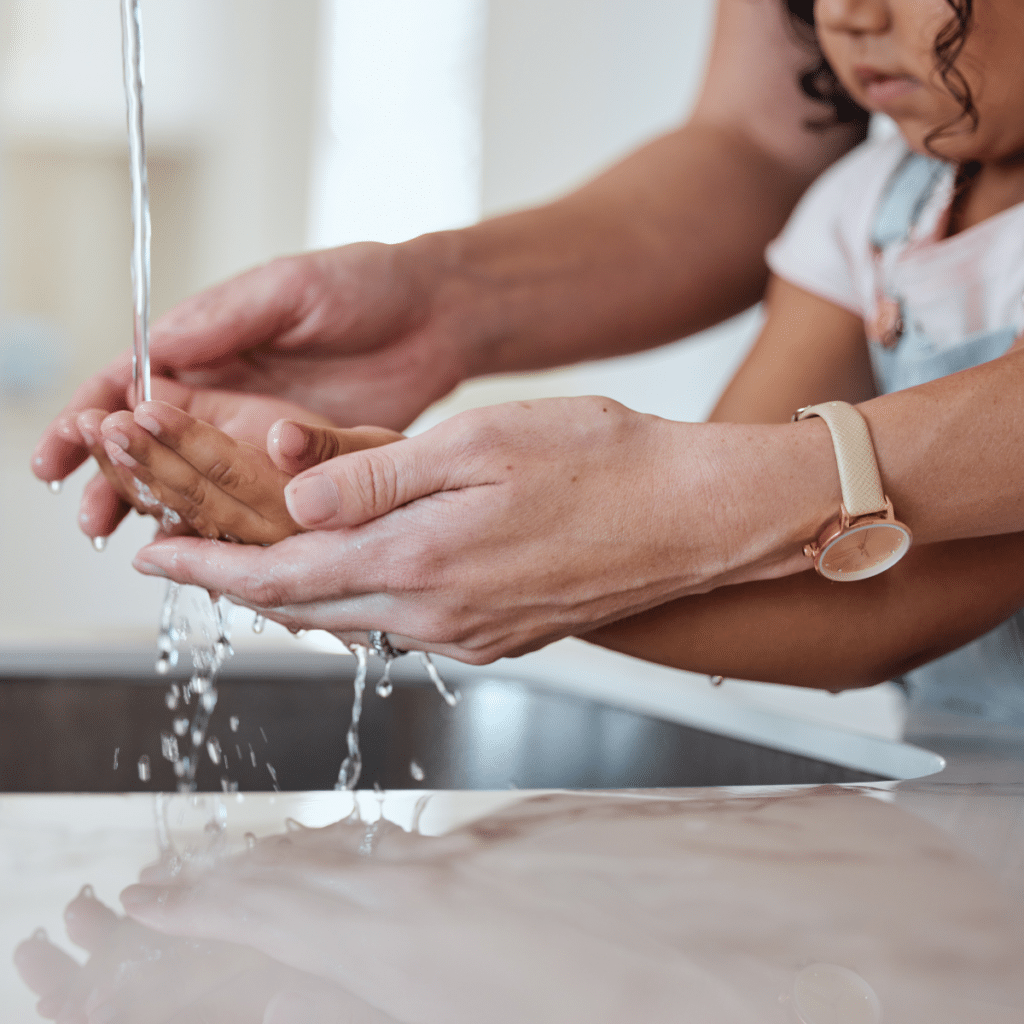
118, 455
312, 499
291, 440
118, 438
148, 568
88, 435
148, 422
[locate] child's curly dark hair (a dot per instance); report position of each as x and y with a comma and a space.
820, 83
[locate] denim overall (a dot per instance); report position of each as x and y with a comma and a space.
980, 687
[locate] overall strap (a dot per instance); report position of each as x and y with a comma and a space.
905, 197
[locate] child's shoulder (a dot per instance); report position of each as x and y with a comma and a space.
825, 247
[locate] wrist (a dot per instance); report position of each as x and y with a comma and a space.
466, 296
773, 488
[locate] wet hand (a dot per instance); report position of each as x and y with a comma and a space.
196, 478
113, 492
494, 533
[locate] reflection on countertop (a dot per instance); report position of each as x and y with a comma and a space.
732, 904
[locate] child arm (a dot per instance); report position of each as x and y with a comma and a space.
804, 630
810, 350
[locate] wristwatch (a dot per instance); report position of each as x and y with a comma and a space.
867, 538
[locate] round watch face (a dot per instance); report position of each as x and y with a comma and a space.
864, 551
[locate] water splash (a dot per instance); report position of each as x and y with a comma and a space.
450, 698
352, 766
134, 75
166, 644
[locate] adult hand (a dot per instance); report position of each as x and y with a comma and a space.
135, 975
503, 529
358, 334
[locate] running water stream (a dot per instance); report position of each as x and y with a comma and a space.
208, 657
134, 67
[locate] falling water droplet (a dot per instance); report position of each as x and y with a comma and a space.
180, 726
144, 769
233, 722
117, 750
250, 840
263, 734
227, 785
169, 747
258, 623
271, 771
213, 749
99, 543
252, 755
416, 771
384, 687
172, 697
55, 486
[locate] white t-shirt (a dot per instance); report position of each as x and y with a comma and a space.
953, 288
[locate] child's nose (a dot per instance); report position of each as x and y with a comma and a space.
858, 17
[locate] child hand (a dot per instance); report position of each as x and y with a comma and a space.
194, 477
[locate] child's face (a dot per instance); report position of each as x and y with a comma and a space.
884, 54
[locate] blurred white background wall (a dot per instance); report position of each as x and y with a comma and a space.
273, 126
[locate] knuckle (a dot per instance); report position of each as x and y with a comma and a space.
263, 592
376, 483
224, 474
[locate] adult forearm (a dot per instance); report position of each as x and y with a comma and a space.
666, 243
950, 451
807, 631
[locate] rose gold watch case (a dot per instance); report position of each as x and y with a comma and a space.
857, 549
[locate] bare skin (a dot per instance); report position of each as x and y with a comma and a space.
474, 539
373, 334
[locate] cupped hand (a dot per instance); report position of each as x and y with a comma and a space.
494, 533
115, 490
357, 334
135, 975
196, 478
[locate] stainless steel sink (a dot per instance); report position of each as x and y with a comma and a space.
61, 723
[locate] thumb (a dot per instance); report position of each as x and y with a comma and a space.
353, 489
295, 446
248, 310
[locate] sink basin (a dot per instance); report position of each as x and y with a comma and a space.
62, 719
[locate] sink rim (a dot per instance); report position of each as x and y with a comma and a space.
599, 678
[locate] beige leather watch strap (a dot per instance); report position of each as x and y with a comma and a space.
855, 456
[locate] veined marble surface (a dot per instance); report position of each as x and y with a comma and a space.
903, 901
